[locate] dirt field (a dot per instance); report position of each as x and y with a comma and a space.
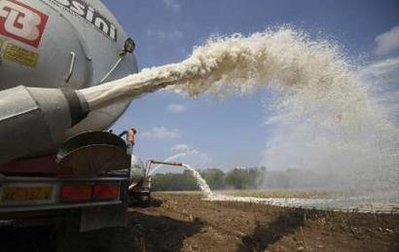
183, 222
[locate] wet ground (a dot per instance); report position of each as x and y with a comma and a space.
184, 222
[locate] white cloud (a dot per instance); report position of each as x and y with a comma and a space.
173, 5
181, 148
381, 68
176, 108
165, 35
382, 80
189, 155
387, 42
161, 133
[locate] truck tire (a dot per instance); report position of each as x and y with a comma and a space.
145, 201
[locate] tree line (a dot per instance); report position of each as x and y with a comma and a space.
238, 178
246, 178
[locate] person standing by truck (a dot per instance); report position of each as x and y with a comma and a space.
130, 140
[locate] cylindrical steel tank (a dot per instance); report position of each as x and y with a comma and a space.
63, 44
137, 170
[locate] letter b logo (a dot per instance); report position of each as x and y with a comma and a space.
21, 22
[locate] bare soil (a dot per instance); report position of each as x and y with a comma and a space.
184, 222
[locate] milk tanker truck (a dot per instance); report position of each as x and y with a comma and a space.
56, 161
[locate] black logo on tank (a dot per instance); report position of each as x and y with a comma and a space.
91, 15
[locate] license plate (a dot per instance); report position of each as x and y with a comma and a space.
27, 193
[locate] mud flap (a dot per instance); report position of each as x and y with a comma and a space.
93, 218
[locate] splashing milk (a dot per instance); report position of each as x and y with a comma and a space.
333, 123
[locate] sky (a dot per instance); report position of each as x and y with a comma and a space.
231, 132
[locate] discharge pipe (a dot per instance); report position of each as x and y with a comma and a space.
33, 121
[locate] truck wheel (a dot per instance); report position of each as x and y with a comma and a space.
145, 201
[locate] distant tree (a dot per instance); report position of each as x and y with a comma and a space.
214, 177
238, 178
173, 182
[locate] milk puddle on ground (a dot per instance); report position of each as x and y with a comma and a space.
358, 204
322, 117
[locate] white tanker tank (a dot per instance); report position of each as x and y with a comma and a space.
51, 48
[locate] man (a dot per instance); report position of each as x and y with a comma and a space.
131, 138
